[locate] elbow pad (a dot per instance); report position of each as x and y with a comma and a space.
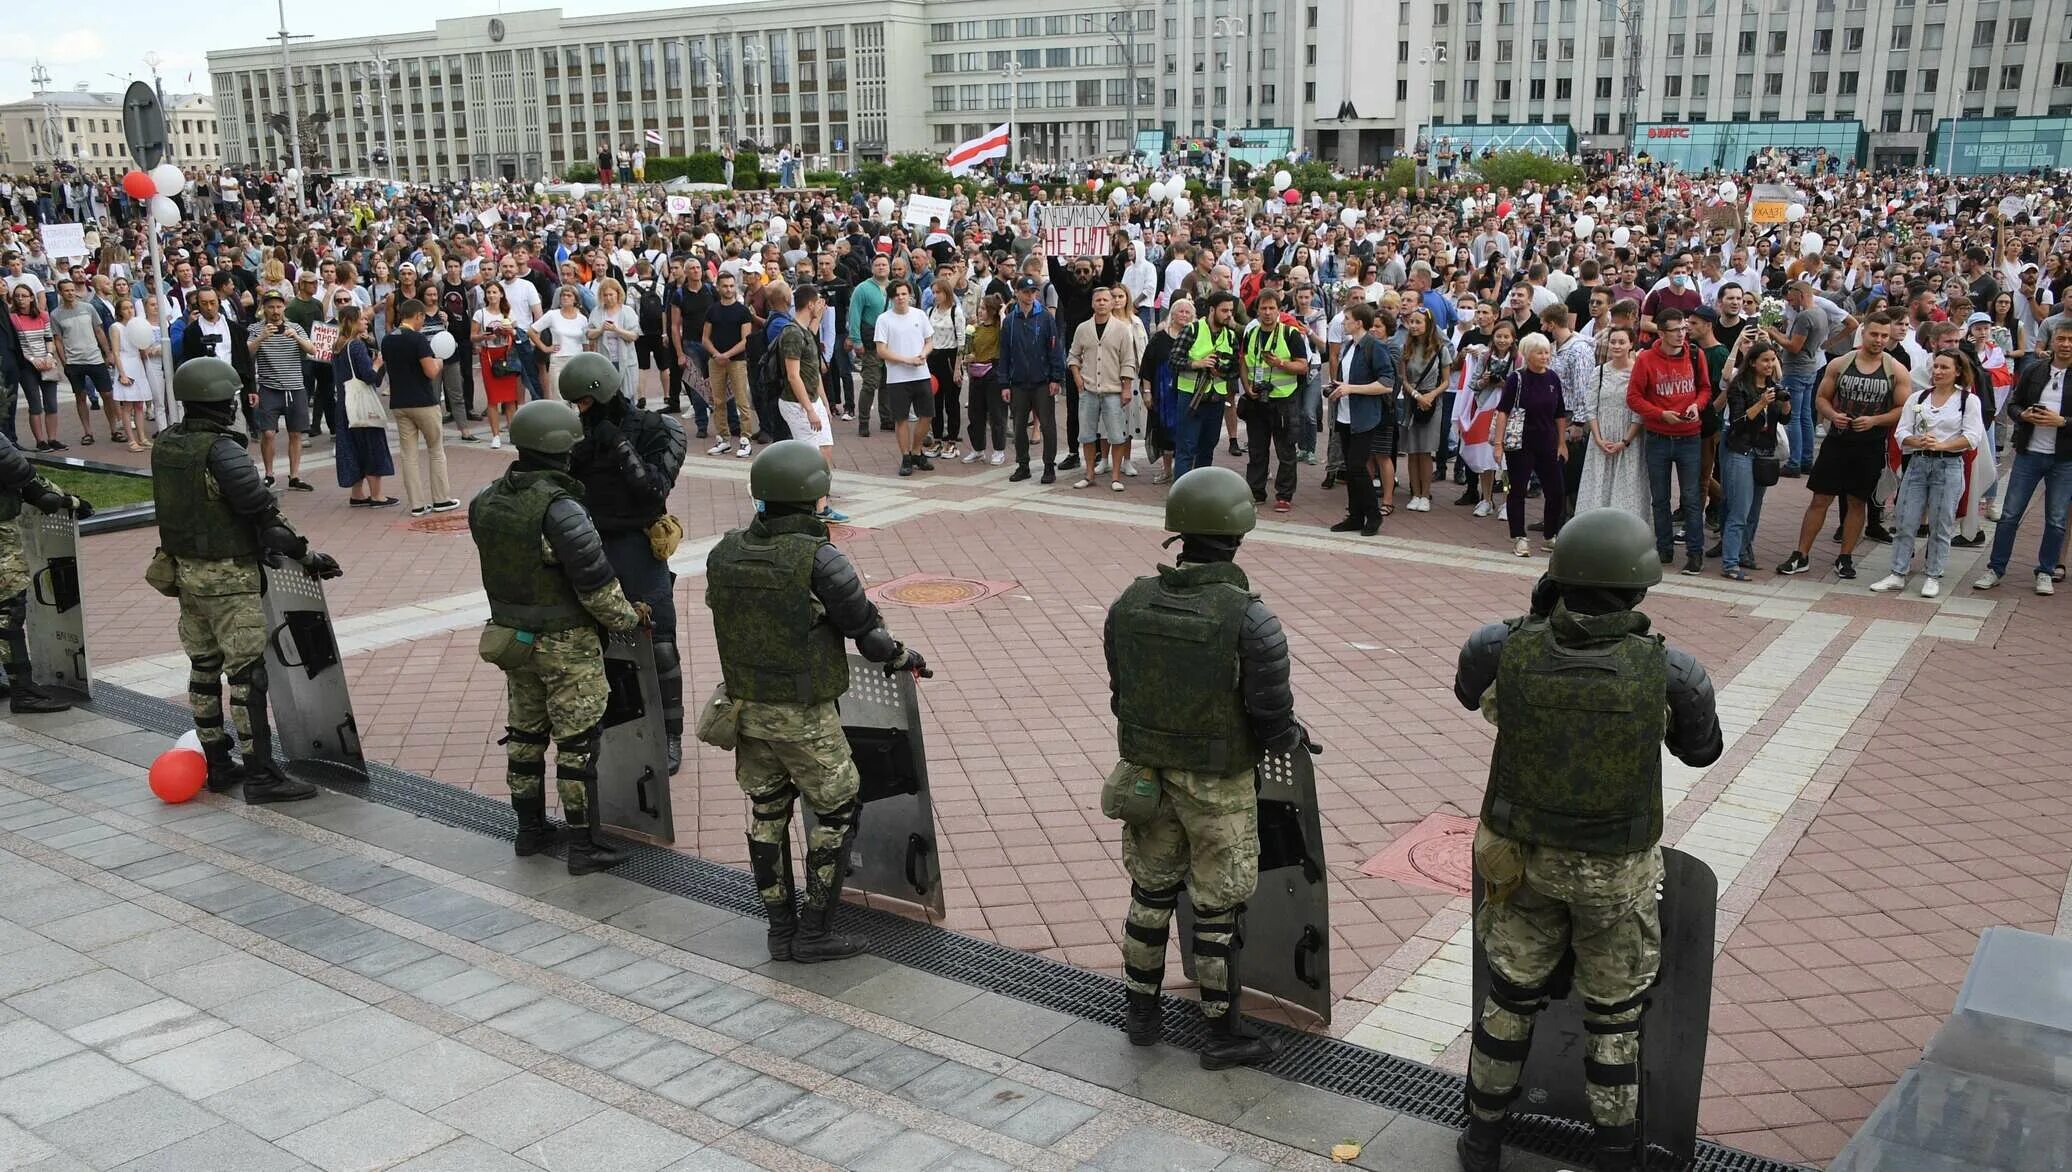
1694, 733
1476, 669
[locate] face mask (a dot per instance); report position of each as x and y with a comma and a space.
1681, 282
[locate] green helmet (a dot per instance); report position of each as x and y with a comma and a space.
546, 426
588, 375
1609, 548
788, 472
206, 380
1210, 502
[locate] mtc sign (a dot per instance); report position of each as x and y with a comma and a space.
1669, 132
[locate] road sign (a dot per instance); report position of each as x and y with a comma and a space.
143, 125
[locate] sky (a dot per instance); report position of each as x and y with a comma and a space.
103, 42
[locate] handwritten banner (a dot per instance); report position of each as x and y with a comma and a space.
1076, 230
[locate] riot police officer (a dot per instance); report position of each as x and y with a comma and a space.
783, 600
628, 461
216, 521
21, 484
1582, 697
1198, 681
550, 588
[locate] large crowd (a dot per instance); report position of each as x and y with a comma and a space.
1897, 339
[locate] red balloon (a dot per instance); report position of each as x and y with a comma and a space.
178, 775
1503, 209
138, 185
1291, 197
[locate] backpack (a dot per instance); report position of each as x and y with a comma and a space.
773, 385
652, 316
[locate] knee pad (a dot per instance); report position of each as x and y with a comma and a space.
842, 818
207, 665
668, 661
251, 675
583, 743
1512, 997
14, 611
1164, 899
773, 807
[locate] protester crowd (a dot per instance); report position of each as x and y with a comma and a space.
1897, 339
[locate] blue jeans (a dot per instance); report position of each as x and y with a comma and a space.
1194, 438
1931, 485
1312, 402
526, 355
2055, 475
1800, 427
1744, 506
1681, 452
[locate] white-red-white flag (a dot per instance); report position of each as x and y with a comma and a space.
654, 138
991, 145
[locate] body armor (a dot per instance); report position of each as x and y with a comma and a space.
1580, 724
776, 644
194, 521
1179, 703
507, 520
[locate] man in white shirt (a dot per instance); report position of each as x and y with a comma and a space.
2042, 457
1140, 277
904, 338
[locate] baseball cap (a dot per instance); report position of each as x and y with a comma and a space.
1026, 285
1977, 319
1706, 312
272, 295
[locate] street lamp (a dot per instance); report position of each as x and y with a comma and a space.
1127, 39
1012, 71
1233, 27
752, 56
1430, 57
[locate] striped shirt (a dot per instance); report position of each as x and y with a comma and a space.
277, 361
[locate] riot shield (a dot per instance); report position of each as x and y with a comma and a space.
1286, 925
1673, 1031
312, 712
894, 853
56, 621
631, 794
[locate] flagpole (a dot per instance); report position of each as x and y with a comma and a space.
1013, 70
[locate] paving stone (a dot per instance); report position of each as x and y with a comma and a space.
460, 986
150, 1029
1098, 1054
966, 1160
358, 1040
599, 896
393, 953
421, 973
350, 874
1000, 1024
659, 1065
57, 902
741, 942
1312, 1119
1148, 1149
712, 1160
757, 1020
150, 956
288, 1008
432, 1076
901, 1153
496, 1002
23, 1149
227, 1148
670, 919
224, 979
39, 964
849, 1050
829, 978
373, 1135
263, 908
912, 997
519, 939
103, 926
221, 892
800, 1120
1414, 1143
554, 1025
468, 1154
215, 1063
1047, 1120
25, 1044
1178, 1081
190, 872
135, 1124
668, 992
707, 1080
494, 922
846, 1138
804, 1033
559, 950
440, 907
519, 1111
403, 886
616, 1048
894, 1068
715, 1005
992, 1103
941, 1085
288, 1100
596, 963
612, 1139
348, 941
752, 1101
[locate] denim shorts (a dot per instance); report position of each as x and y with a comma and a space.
90, 380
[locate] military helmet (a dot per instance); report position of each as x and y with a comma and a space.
588, 375
546, 426
1210, 502
1609, 548
788, 472
206, 380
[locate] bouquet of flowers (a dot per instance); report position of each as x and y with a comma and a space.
1772, 312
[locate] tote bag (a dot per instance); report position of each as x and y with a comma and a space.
363, 405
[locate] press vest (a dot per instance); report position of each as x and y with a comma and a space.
508, 522
1177, 670
776, 644
1273, 343
1578, 760
194, 521
1206, 342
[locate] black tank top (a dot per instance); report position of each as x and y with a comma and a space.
1857, 393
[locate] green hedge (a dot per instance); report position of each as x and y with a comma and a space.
579, 173
1513, 169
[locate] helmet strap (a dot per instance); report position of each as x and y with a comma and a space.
540, 462
221, 412
1204, 550
1597, 600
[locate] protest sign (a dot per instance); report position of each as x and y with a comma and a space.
922, 208
678, 205
324, 336
1767, 202
1076, 230
64, 240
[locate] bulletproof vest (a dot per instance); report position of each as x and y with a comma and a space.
1265, 343
776, 644
1581, 711
1177, 670
611, 506
508, 522
194, 521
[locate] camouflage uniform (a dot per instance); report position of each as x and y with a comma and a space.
20, 485
1568, 848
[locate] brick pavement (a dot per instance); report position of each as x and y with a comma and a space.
1375, 624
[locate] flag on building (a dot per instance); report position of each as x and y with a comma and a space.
991, 145
654, 138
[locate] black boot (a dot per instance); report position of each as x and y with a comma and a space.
770, 864
1143, 1018
26, 697
223, 771
672, 751
266, 784
587, 855
784, 929
1231, 1041
817, 940
1481, 1146
1617, 1149
23, 694
535, 837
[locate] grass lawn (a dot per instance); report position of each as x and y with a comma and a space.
103, 490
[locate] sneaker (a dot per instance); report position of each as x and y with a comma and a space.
1930, 587
998, 459
1694, 565
268, 481
1795, 564
469, 437
921, 463
1021, 473
1845, 567
1472, 496
1878, 533
1992, 510
1116, 485
1159, 476
1522, 548
1282, 507
2043, 585
1050, 476
1734, 574
1307, 456
720, 448
1889, 583
1101, 466
1481, 508
1129, 467
831, 515
496, 441
421, 511
973, 457
744, 451
1082, 482
1070, 462
1991, 578
906, 465
444, 506
1971, 542
1503, 511
300, 485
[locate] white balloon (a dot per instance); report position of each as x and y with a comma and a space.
576, 191
539, 189
1157, 191
166, 177
886, 208
164, 212
1183, 207
1120, 197
1729, 190
1585, 225
1621, 235
776, 229
1281, 180
442, 345
189, 740
294, 174
1811, 243
139, 333
1794, 212
1349, 216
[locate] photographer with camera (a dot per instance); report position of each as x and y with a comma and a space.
1214, 377
209, 335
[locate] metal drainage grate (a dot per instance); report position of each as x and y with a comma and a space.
1399, 1084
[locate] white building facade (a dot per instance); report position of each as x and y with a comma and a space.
84, 128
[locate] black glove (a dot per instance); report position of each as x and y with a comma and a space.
321, 565
81, 508
908, 659
1309, 742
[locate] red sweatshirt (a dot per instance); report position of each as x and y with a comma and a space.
1661, 383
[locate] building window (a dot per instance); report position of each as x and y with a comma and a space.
1744, 44
2061, 76
1470, 90
1536, 89
1675, 47
1604, 89
1847, 84
1823, 40
1701, 86
1503, 51
1503, 89
1923, 120
1903, 36
1474, 49
1895, 81
2011, 77
1928, 79
1672, 86
1776, 42
1889, 121
1564, 89
1984, 32
1975, 78
1852, 40
2018, 30
1931, 36
1702, 46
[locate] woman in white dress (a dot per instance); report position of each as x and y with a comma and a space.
614, 328
1615, 473
560, 334
139, 378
